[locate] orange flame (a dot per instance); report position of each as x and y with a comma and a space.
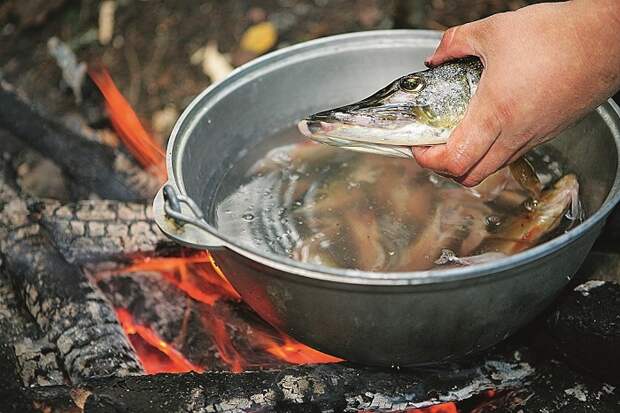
296, 353
225, 347
179, 363
199, 278
182, 273
127, 125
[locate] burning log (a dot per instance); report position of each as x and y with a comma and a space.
73, 314
331, 387
95, 231
216, 333
93, 166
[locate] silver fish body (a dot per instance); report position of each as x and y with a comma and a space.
421, 108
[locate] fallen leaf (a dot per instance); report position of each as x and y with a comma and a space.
259, 38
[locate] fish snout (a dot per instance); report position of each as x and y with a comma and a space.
310, 127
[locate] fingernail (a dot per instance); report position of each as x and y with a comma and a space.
427, 61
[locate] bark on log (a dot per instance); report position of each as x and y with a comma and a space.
73, 314
324, 388
35, 361
94, 166
88, 232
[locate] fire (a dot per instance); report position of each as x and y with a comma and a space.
201, 282
175, 362
127, 125
200, 279
294, 352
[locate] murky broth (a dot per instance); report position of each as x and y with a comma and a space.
332, 207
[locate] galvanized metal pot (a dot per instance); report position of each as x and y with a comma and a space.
374, 318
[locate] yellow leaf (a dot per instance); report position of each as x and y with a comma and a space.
259, 38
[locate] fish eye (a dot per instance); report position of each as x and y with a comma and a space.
412, 84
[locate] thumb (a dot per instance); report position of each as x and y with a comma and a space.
456, 42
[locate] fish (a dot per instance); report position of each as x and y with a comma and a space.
419, 109
527, 229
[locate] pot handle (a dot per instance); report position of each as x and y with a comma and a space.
181, 219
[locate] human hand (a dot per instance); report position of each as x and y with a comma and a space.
546, 66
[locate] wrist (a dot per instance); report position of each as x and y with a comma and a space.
597, 26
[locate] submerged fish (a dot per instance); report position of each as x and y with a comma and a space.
421, 108
527, 229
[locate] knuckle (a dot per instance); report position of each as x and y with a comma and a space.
456, 167
505, 109
458, 161
448, 36
489, 126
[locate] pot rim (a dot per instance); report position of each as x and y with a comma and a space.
609, 112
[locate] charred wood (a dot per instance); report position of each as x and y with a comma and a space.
324, 388
74, 315
34, 360
95, 231
95, 167
555, 388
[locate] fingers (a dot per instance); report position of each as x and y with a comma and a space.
496, 158
468, 143
456, 42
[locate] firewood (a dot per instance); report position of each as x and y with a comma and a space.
323, 388
94, 231
97, 168
35, 361
73, 314
555, 388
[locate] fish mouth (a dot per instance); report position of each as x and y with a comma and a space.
312, 128
352, 137
358, 123
355, 128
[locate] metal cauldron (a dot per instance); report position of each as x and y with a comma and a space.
373, 318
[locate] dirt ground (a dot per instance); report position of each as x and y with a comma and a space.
152, 42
